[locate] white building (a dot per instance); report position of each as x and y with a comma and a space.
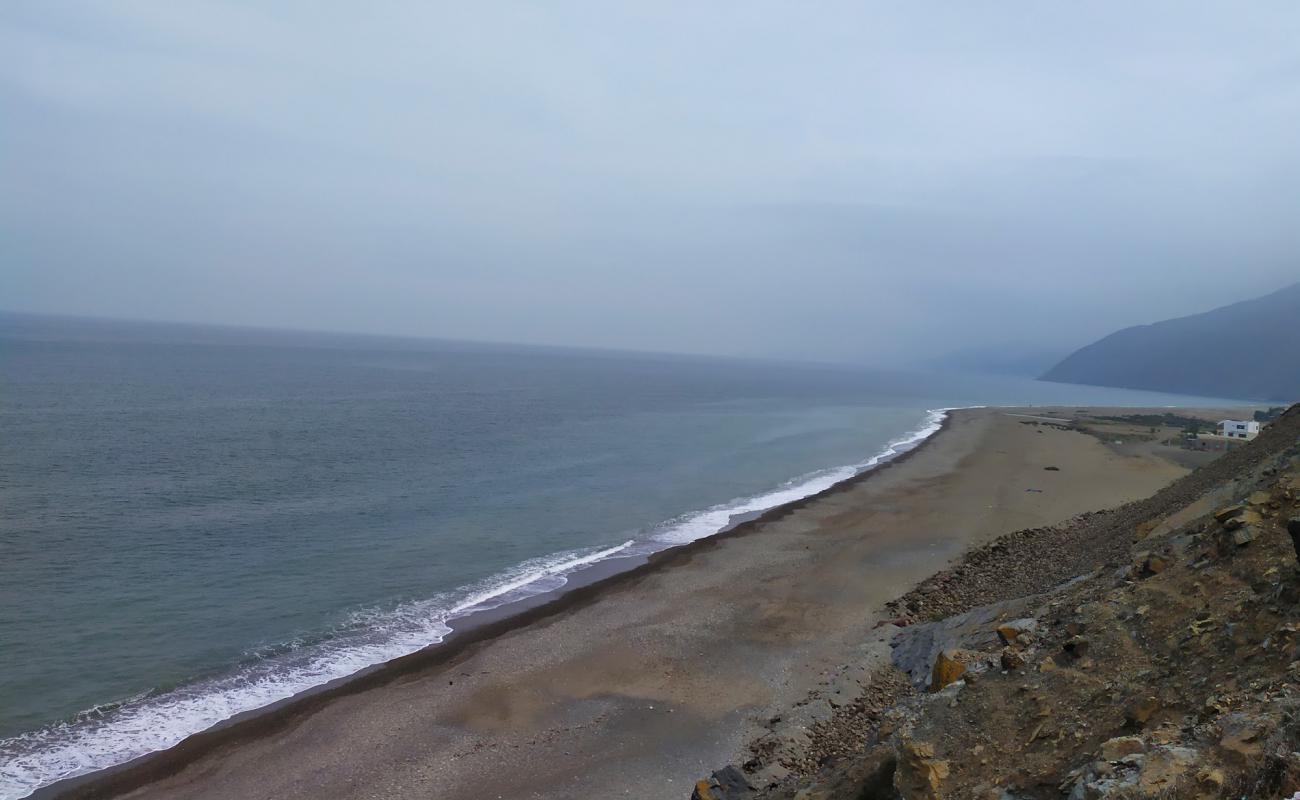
1238, 429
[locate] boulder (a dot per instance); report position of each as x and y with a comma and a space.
728, 783
1164, 768
914, 649
1009, 632
1244, 535
1225, 514
1121, 746
1243, 736
1159, 772
919, 775
948, 667
1293, 528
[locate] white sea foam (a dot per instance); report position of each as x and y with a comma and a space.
109, 735
113, 734
528, 580
697, 525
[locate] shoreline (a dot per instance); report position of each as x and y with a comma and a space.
584, 586
673, 671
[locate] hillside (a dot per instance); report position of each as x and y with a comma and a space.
1147, 651
1248, 350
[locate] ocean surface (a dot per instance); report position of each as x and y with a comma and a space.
196, 522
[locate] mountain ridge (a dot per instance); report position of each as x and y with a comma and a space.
1248, 349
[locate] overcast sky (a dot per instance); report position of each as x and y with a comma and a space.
866, 181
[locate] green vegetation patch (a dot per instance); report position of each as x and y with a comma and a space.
1156, 420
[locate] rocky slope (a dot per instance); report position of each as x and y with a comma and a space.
1248, 349
1151, 651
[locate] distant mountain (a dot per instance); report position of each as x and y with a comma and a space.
1248, 350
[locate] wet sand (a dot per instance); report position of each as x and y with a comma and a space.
641, 687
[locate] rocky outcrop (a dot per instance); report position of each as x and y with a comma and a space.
728, 783
919, 773
948, 668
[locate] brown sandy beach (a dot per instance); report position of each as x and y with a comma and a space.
667, 675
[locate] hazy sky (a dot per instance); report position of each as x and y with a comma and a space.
866, 181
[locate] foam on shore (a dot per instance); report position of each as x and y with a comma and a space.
113, 734
699, 524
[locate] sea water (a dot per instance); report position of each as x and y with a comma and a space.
198, 522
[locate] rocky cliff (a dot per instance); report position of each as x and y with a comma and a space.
1150, 651
1245, 350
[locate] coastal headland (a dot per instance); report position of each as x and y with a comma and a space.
641, 682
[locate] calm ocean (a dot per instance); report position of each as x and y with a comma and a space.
198, 522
